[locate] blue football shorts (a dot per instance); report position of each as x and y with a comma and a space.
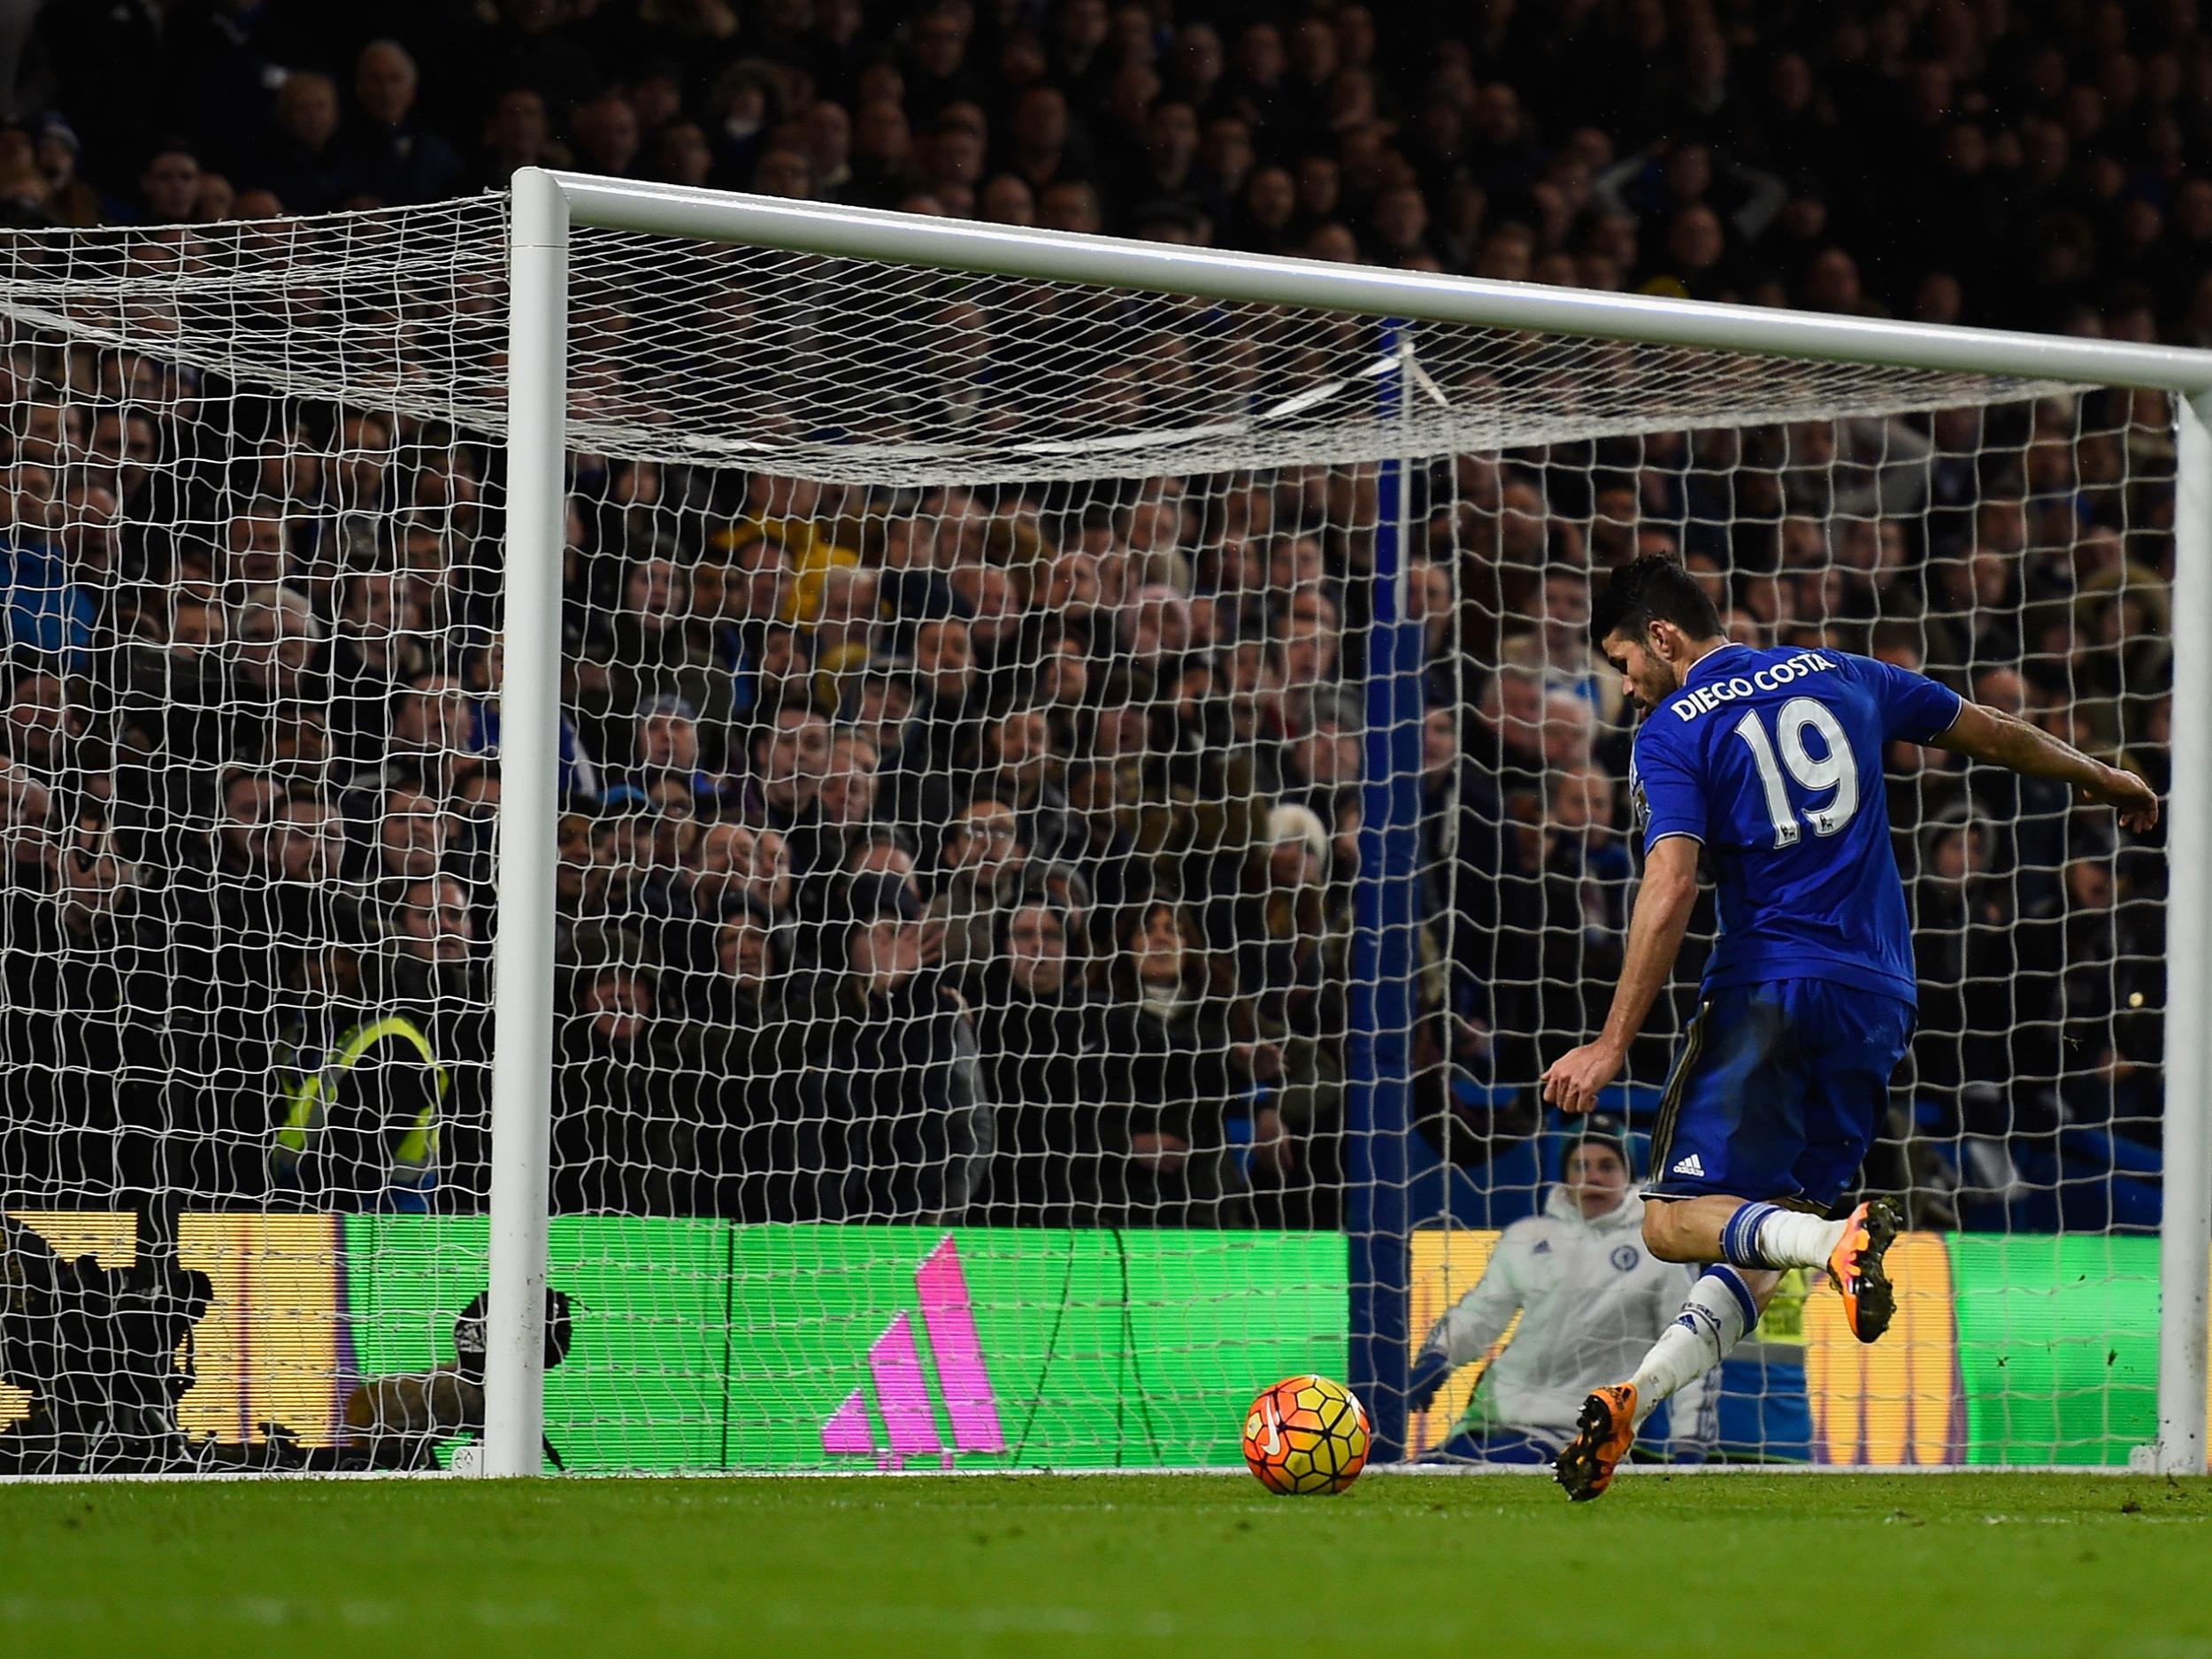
1778, 1092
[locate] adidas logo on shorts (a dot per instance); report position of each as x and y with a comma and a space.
1690, 1165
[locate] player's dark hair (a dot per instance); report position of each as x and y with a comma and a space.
1649, 590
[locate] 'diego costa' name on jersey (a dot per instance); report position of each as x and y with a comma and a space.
1688, 705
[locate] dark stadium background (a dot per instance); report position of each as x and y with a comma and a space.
2046, 167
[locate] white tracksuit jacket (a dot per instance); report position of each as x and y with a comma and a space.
1592, 1300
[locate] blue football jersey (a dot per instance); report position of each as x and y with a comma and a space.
1773, 760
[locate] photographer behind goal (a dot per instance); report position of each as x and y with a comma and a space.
1591, 1298
399, 1421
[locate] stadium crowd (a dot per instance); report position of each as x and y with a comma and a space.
992, 853
2032, 164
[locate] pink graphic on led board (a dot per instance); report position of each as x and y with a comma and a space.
902, 1397
950, 1318
849, 1434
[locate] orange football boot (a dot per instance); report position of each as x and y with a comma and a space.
1606, 1430
1856, 1265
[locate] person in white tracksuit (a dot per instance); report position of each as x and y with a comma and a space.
1592, 1300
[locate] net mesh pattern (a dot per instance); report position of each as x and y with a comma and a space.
968, 690
865, 372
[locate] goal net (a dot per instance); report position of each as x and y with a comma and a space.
1081, 814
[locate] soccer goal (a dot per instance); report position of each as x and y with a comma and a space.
702, 833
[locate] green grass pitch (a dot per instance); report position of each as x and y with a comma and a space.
1950, 1565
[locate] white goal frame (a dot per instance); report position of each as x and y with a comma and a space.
546, 205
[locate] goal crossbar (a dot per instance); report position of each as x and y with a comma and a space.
949, 244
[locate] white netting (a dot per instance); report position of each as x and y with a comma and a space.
965, 717
870, 373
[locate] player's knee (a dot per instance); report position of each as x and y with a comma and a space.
1661, 1236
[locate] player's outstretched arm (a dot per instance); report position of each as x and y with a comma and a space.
1982, 732
1654, 937
1466, 1331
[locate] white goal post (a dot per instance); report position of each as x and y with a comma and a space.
548, 208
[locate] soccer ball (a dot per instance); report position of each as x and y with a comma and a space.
1306, 1435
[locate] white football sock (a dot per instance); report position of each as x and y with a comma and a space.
1767, 1235
1789, 1237
1719, 1309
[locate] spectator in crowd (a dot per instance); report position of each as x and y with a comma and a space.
44, 728
1584, 891
169, 187
576, 779
360, 1108
983, 862
1028, 773
1295, 943
669, 748
517, 132
1037, 1072
756, 1146
904, 1102
85, 995
1173, 1071
49, 617
614, 1121
306, 163
69, 199
392, 157
1981, 965
2114, 980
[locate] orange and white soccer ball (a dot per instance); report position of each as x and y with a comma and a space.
1306, 1435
